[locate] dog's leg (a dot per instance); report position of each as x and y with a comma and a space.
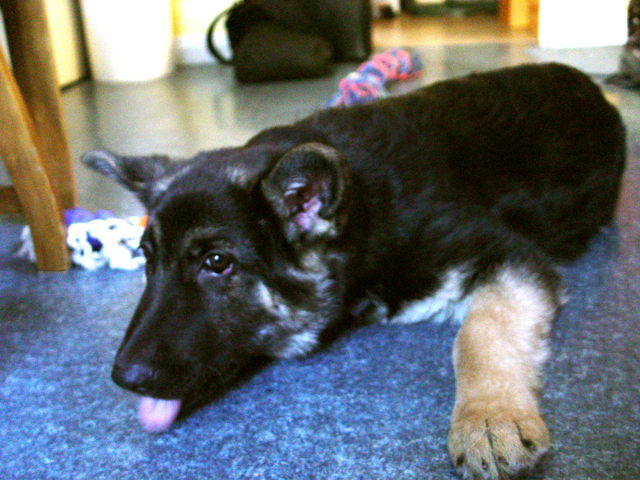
496, 428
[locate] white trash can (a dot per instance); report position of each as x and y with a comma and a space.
128, 40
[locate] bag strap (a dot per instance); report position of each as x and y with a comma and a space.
210, 40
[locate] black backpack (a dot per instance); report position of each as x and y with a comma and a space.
289, 39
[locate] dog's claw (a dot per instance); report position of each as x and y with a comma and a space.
485, 445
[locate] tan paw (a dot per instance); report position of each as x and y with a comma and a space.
498, 444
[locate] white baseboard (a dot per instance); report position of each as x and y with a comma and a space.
594, 61
191, 48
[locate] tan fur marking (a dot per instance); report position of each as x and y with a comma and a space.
446, 303
301, 324
496, 428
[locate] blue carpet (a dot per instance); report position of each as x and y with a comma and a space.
372, 405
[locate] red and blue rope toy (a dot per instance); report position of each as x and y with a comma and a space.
370, 79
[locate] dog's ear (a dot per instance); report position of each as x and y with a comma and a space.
147, 176
308, 188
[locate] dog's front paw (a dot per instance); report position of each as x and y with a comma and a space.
496, 444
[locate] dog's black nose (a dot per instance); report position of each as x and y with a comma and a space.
135, 377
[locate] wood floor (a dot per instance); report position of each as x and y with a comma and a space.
411, 31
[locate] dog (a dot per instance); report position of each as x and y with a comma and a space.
456, 200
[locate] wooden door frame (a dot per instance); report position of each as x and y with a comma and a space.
519, 14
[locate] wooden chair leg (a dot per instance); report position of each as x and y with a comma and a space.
22, 155
35, 73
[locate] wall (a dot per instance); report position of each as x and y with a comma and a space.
194, 16
66, 39
3, 37
582, 23
191, 19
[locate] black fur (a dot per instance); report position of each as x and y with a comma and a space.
257, 250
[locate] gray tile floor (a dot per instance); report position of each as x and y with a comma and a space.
204, 108
342, 413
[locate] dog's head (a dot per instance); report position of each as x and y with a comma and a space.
243, 261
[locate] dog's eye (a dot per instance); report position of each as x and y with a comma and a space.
218, 264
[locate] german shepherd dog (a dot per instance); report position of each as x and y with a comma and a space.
451, 201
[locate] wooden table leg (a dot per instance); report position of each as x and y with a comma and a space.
22, 155
35, 73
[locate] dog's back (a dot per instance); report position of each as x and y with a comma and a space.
538, 146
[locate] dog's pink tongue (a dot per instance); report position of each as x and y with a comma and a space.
157, 415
